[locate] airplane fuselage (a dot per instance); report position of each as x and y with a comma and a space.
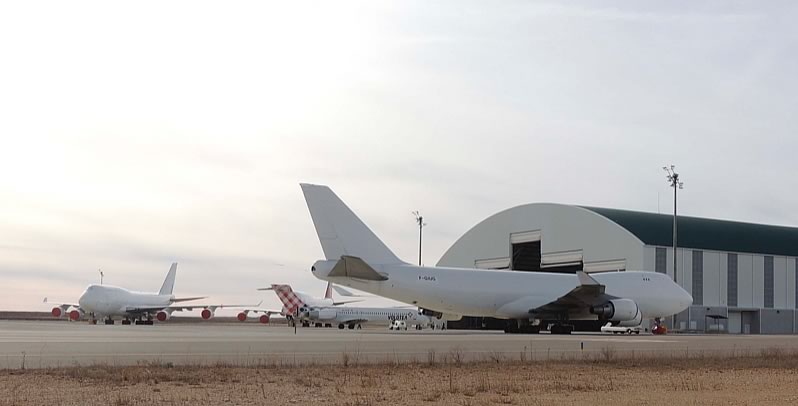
507, 294
109, 301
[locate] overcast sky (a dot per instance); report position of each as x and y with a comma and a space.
134, 136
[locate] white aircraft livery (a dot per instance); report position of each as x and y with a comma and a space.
530, 301
290, 306
326, 314
104, 301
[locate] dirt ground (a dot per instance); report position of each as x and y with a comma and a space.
764, 379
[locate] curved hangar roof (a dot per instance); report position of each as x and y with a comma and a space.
703, 233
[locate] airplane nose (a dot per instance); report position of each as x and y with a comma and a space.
685, 299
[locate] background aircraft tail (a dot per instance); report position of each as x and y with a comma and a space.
340, 231
291, 301
328, 291
169, 283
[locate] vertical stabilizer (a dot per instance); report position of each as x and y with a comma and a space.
291, 301
328, 291
340, 231
169, 283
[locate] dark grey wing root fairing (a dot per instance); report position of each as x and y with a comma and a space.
577, 302
354, 267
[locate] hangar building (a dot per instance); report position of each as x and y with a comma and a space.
742, 276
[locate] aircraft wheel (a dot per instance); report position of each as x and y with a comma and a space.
341, 326
351, 326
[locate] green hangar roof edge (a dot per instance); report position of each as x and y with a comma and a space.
705, 234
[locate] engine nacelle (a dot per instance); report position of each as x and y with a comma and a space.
207, 314
58, 312
441, 316
242, 316
323, 314
622, 311
264, 319
76, 315
162, 316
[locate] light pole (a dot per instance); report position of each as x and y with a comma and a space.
676, 184
421, 224
101, 276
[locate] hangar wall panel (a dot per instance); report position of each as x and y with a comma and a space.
723, 275
685, 269
790, 284
776, 321
758, 286
712, 279
745, 275
780, 283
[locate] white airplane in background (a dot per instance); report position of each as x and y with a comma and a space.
530, 301
107, 302
289, 311
325, 313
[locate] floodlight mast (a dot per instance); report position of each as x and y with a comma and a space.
676, 183
421, 224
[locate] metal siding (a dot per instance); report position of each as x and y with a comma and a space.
660, 260
767, 282
683, 264
758, 287
698, 277
776, 321
711, 279
745, 276
732, 280
792, 281
722, 278
780, 283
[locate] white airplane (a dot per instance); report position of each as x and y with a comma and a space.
288, 311
324, 312
530, 301
107, 302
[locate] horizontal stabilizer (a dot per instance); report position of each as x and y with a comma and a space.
354, 267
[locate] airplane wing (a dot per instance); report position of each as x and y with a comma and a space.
340, 302
588, 293
188, 299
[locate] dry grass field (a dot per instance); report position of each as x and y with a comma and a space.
768, 377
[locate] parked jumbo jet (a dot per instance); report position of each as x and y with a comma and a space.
325, 313
107, 302
530, 301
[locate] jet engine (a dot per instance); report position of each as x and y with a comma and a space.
58, 312
76, 315
242, 316
163, 316
622, 312
323, 314
207, 314
264, 319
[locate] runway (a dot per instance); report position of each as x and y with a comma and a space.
53, 344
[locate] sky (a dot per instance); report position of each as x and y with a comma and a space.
134, 135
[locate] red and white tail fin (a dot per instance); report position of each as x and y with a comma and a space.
328, 292
291, 301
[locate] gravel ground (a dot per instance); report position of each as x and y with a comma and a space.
767, 379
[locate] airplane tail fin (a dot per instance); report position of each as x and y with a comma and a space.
340, 231
291, 301
328, 291
169, 283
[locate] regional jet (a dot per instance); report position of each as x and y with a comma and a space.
290, 306
107, 302
529, 301
326, 313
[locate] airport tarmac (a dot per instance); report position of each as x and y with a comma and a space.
39, 344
